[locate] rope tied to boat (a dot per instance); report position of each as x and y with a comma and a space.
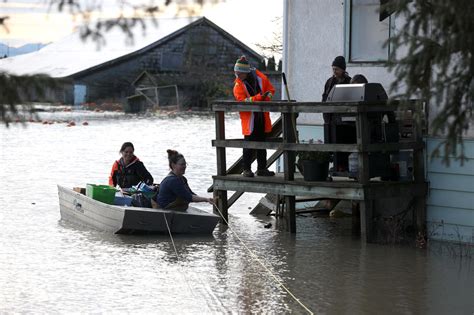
255, 256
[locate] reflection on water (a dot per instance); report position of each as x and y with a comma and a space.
47, 265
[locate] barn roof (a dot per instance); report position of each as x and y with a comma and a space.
71, 56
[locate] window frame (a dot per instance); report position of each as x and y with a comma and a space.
348, 38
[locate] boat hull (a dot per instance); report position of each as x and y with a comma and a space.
80, 209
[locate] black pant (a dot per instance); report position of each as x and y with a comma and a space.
258, 134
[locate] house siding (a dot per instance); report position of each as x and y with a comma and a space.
450, 203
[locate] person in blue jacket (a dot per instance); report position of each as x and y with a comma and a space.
175, 193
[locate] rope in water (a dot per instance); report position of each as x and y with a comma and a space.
179, 259
278, 281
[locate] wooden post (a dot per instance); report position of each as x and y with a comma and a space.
289, 168
291, 213
355, 205
223, 206
419, 177
366, 206
221, 166
363, 138
366, 222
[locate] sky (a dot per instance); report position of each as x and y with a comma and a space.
251, 21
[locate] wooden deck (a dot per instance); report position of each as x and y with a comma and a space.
289, 184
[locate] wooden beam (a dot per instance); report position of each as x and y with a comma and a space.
330, 147
291, 188
235, 196
314, 107
240, 143
396, 189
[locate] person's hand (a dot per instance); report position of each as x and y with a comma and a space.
267, 96
212, 200
258, 98
154, 204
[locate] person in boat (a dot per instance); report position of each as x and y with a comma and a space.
174, 192
128, 171
251, 85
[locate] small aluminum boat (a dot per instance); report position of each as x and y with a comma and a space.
78, 208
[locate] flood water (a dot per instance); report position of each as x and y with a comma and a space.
50, 266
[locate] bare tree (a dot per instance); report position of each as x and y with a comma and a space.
275, 44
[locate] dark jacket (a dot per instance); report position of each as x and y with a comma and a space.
332, 81
173, 187
129, 175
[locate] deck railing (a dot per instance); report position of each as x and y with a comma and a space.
288, 145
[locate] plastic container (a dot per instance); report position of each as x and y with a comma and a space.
103, 193
354, 164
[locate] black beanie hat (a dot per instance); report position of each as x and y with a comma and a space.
339, 62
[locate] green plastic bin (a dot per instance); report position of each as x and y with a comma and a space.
103, 193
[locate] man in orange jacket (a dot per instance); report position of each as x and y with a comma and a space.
253, 86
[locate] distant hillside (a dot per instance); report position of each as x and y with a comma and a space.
5, 50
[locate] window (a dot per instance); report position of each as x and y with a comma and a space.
367, 34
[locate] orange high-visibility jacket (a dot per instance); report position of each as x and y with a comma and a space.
241, 94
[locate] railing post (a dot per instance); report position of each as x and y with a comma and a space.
221, 166
366, 205
363, 139
289, 167
419, 174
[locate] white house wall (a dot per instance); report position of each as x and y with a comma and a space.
315, 37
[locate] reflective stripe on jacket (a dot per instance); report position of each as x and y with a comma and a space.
241, 94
